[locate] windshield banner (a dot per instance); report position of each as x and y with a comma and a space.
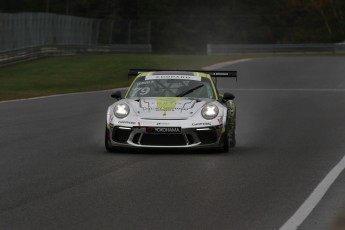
180, 77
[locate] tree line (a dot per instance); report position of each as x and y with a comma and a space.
182, 26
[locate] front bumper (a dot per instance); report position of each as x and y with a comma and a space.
200, 137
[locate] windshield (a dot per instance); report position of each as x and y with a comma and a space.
151, 87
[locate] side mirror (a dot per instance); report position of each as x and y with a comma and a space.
228, 97
117, 95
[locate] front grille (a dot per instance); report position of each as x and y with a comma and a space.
163, 139
190, 139
136, 138
207, 136
121, 135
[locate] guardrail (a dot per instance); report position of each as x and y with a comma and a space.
214, 49
11, 57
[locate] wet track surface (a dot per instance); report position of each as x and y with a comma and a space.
55, 173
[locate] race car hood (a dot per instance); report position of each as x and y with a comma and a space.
166, 107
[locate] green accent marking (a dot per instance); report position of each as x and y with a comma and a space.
167, 103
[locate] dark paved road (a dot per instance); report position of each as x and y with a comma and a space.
55, 174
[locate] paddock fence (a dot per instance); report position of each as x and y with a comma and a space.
26, 36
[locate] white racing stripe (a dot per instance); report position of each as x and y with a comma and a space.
314, 198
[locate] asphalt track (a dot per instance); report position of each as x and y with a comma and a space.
55, 173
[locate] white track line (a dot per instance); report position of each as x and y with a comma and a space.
55, 95
314, 198
223, 64
211, 67
59, 95
288, 90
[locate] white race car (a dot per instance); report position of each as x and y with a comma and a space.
172, 109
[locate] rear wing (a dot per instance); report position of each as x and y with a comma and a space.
213, 73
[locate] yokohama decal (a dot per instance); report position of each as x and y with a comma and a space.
163, 130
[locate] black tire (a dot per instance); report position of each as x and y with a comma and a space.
107, 140
232, 138
226, 141
229, 139
226, 147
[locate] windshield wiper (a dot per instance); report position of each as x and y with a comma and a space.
189, 91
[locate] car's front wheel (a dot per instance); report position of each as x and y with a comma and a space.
232, 138
226, 141
229, 139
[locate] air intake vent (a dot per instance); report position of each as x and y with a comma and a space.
163, 139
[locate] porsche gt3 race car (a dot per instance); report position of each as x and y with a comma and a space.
172, 109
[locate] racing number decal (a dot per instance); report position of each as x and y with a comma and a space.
142, 91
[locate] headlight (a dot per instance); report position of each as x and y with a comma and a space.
209, 112
121, 110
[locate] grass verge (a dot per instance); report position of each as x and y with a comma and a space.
90, 72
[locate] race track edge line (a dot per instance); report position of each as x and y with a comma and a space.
314, 198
